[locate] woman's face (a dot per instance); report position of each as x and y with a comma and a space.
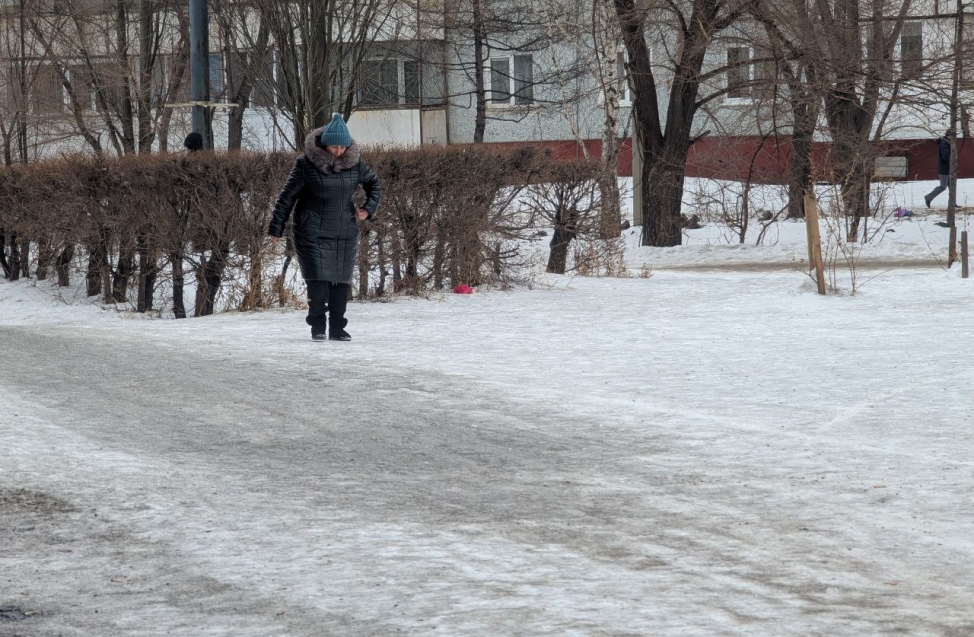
337, 151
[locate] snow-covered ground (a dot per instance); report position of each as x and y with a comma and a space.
706, 447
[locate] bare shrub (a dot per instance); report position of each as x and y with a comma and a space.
569, 198
448, 216
138, 224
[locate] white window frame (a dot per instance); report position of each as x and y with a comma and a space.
622, 71
748, 72
903, 60
511, 102
34, 106
76, 75
622, 77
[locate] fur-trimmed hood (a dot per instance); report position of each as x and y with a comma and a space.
325, 162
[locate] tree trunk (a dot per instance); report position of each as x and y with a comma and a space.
381, 263
44, 258
126, 114
800, 180
253, 297
180, 62
662, 224
123, 272
561, 239
62, 265
319, 58
849, 127
282, 277
3, 254
610, 219
178, 306
148, 271
855, 195
665, 155
365, 239
146, 61
209, 279
25, 257
439, 258
479, 41
8, 157
14, 260
97, 263
243, 86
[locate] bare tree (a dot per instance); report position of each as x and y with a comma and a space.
665, 147
245, 65
113, 86
605, 36
306, 61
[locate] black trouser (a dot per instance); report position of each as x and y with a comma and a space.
326, 298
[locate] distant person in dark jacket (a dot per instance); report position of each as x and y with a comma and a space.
943, 167
320, 190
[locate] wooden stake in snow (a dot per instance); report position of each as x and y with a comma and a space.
963, 254
952, 249
814, 241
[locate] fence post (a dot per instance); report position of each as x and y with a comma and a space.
952, 249
963, 254
814, 241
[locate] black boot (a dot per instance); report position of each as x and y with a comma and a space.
336, 330
317, 309
337, 301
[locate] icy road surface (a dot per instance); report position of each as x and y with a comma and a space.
680, 455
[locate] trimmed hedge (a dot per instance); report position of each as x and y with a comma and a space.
448, 215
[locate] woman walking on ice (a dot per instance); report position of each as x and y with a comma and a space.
320, 190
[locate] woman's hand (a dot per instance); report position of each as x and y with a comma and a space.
362, 214
274, 239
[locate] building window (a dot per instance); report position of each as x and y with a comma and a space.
380, 86
765, 72
511, 80
216, 76
967, 50
411, 81
500, 81
262, 94
738, 72
48, 95
911, 49
82, 87
622, 75
391, 82
238, 63
109, 90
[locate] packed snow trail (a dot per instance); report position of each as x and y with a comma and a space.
268, 485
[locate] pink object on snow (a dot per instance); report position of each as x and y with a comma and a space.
463, 288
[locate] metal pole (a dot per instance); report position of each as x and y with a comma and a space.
952, 181
199, 65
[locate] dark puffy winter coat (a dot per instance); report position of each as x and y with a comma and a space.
943, 157
320, 189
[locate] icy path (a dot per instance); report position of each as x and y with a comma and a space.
757, 461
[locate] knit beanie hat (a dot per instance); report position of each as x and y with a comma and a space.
336, 133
